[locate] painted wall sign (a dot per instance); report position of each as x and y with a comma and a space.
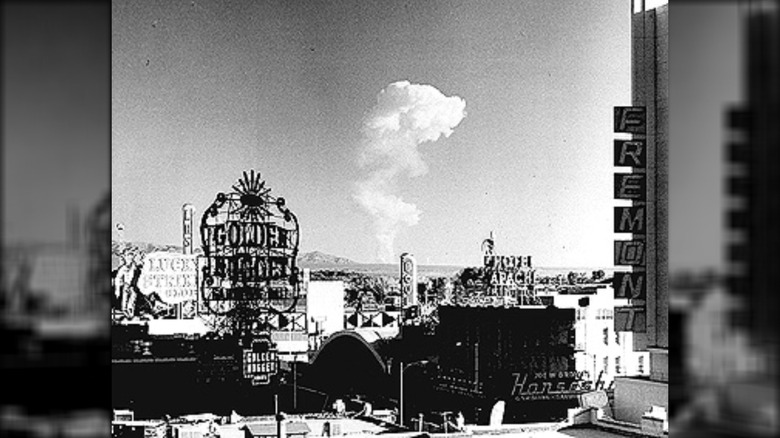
631, 186
630, 119
630, 153
172, 276
630, 219
630, 285
250, 244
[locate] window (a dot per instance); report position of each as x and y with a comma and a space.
617, 338
617, 365
641, 364
606, 364
606, 336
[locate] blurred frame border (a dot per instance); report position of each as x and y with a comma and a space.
55, 217
723, 319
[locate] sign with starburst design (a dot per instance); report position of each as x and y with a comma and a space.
250, 244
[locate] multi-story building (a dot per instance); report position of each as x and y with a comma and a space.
523, 356
600, 351
637, 395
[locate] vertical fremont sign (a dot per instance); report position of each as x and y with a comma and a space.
631, 186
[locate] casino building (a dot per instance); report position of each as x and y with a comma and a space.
521, 356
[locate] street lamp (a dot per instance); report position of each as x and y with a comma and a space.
403, 368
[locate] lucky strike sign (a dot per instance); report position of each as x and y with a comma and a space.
172, 276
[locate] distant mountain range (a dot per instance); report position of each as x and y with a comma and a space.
306, 258
320, 258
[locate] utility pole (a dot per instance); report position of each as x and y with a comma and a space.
280, 433
401, 397
295, 386
444, 417
476, 366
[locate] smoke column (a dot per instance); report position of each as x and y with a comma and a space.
405, 116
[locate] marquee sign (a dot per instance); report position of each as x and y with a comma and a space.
632, 219
250, 244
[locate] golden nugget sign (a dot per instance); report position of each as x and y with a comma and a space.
250, 245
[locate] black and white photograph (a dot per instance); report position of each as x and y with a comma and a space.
355, 218
405, 218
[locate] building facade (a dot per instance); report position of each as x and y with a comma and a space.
600, 350
635, 396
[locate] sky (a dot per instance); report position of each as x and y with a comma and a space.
56, 116
202, 91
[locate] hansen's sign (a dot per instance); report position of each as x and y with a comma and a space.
562, 385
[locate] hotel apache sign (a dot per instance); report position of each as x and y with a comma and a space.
511, 276
250, 245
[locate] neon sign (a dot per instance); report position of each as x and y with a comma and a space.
511, 276
552, 386
632, 219
250, 244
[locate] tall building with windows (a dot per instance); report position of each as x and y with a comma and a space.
601, 352
636, 395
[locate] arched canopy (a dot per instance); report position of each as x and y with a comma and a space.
361, 339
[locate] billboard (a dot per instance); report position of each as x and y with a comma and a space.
172, 276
